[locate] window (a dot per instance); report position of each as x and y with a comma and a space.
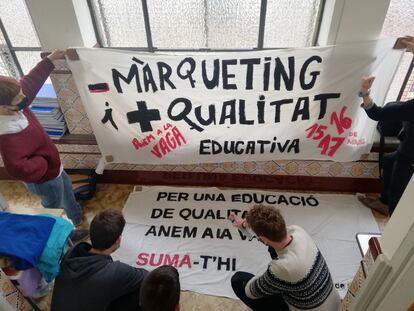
19, 45
411, 88
398, 22
206, 24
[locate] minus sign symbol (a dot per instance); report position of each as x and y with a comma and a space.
196, 262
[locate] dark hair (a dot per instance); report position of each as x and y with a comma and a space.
106, 227
268, 222
160, 290
9, 88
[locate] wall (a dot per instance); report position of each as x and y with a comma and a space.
401, 294
400, 223
338, 25
390, 284
87, 156
57, 25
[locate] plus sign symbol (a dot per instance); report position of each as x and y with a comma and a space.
143, 116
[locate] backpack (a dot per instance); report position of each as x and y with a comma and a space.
387, 128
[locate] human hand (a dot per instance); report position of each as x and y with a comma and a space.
57, 54
237, 221
409, 43
366, 83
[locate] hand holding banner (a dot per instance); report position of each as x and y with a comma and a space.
160, 108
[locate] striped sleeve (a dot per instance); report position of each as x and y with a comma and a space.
264, 285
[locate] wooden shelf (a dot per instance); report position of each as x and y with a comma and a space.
76, 139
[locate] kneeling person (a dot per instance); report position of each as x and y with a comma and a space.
89, 279
297, 279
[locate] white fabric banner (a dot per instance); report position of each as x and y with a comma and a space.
188, 228
175, 108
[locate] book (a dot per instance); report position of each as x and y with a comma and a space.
47, 110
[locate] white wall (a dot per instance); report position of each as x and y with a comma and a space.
390, 283
84, 20
352, 20
400, 223
401, 294
58, 25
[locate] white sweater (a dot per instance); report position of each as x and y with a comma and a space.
300, 274
10, 124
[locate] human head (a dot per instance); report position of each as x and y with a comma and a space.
409, 43
10, 92
160, 290
267, 223
106, 229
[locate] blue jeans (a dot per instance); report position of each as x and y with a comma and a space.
57, 193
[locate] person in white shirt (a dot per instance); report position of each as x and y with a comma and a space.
297, 278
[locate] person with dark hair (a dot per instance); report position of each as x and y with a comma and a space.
29, 155
160, 290
89, 279
398, 166
297, 278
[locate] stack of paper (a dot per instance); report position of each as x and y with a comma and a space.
46, 108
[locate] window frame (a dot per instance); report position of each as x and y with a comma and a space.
260, 40
12, 50
406, 79
150, 46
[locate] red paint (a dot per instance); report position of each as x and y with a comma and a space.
342, 122
330, 145
169, 142
156, 260
99, 91
145, 142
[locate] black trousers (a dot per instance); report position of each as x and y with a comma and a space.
273, 303
397, 172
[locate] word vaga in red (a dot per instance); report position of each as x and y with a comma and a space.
169, 142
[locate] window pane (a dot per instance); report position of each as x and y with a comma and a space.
18, 23
233, 24
195, 24
409, 90
290, 23
204, 24
28, 60
7, 67
120, 23
399, 19
3, 68
399, 78
177, 24
399, 22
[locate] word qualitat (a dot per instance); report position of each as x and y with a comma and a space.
233, 111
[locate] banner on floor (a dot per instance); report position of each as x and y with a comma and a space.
160, 108
188, 228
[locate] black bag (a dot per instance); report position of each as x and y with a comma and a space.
387, 128
83, 184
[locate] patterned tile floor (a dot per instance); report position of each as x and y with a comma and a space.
114, 195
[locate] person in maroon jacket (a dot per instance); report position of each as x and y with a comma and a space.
28, 153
